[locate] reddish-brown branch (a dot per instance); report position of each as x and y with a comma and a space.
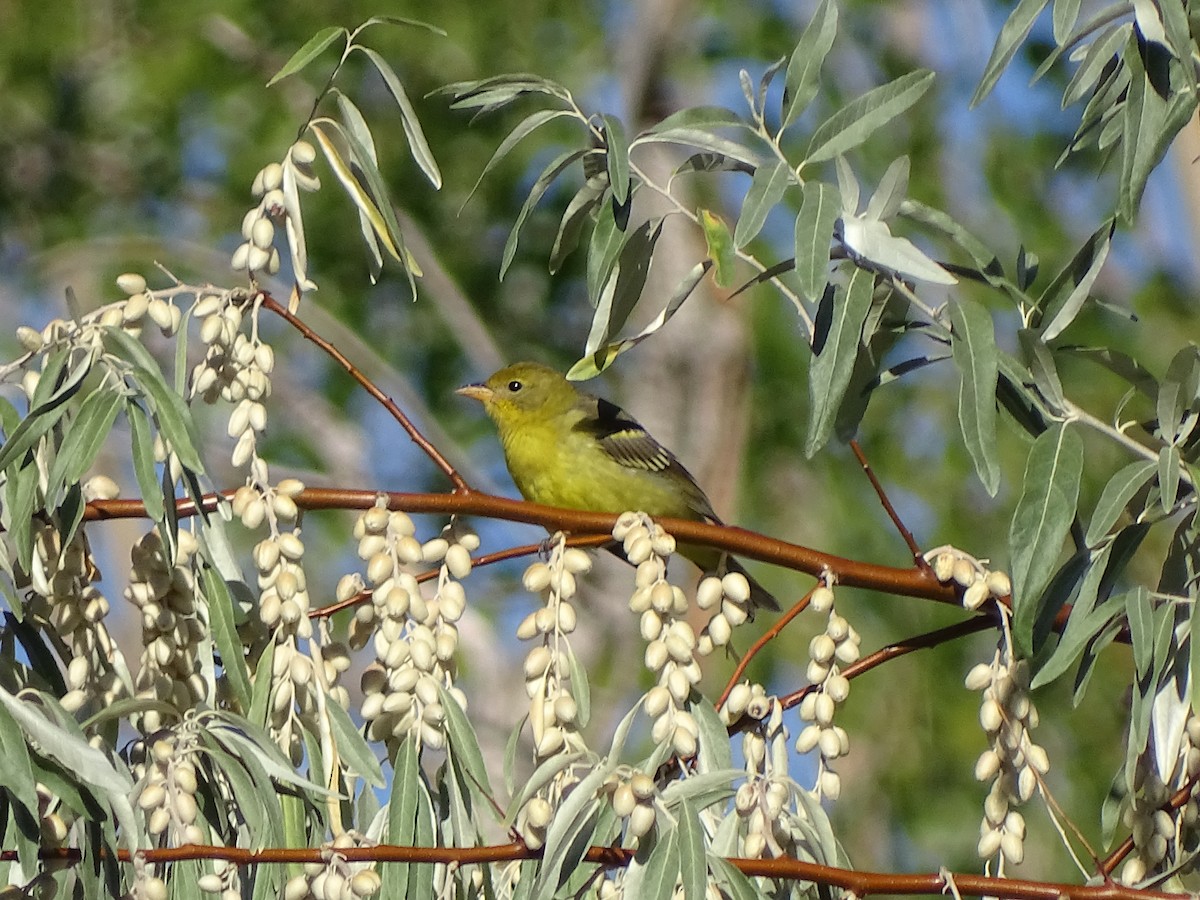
918, 556
900, 648
337, 356
862, 883
852, 573
767, 636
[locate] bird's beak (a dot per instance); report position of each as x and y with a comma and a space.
480, 392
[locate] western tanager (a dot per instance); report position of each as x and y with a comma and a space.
568, 448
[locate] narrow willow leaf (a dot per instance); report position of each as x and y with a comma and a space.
720, 247
836, 347
1121, 488
734, 884
603, 249
696, 127
863, 116
1149, 124
312, 48
16, 771
325, 130
1099, 56
617, 156
294, 224
655, 867
1066, 13
819, 211
576, 215
568, 836
1085, 621
580, 687
1060, 306
888, 196
352, 748
1041, 366
624, 287
1041, 521
693, 864
523, 129
84, 438
1012, 35
407, 784
804, 67
556, 167
173, 417
462, 740
593, 365
223, 625
1141, 630
872, 242
1168, 476
973, 342
408, 117
766, 190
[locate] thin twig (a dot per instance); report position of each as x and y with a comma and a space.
918, 556
763, 640
460, 484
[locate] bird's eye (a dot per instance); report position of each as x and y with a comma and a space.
514, 386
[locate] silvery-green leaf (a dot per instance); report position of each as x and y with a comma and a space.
872, 240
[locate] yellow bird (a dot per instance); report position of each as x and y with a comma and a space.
568, 448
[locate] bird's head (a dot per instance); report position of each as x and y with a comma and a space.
522, 393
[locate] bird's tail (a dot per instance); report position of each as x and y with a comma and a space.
760, 597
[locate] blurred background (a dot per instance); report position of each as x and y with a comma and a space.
132, 132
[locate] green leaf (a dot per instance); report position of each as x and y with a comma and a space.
1117, 493
555, 168
223, 623
590, 366
1012, 35
172, 415
695, 127
1140, 616
819, 211
407, 784
1149, 124
16, 772
83, 440
352, 748
1059, 306
625, 283
1168, 476
524, 128
1041, 366
580, 688
462, 740
654, 870
1041, 521
1066, 12
766, 190
569, 834
693, 864
603, 249
141, 441
1086, 622
577, 213
804, 67
836, 346
734, 884
617, 156
720, 247
312, 48
872, 243
889, 195
973, 342
1099, 55
408, 117
861, 117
